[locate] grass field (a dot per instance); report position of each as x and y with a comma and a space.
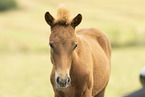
24, 52
27, 74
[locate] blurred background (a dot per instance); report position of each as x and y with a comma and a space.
24, 52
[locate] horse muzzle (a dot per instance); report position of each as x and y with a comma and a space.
63, 82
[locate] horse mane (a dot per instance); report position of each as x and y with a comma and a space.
63, 16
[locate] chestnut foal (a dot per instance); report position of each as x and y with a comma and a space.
81, 59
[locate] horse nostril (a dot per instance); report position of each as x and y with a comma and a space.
68, 80
58, 80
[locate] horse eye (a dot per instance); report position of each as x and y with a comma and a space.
75, 46
51, 45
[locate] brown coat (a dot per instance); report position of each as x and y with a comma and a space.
87, 65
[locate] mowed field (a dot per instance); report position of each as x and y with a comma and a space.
24, 52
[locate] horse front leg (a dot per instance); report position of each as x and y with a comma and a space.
87, 93
88, 87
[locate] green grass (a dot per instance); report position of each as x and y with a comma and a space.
24, 53
122, 20
7, 4
27, 74
126, 66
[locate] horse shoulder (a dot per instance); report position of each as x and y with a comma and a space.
99, 36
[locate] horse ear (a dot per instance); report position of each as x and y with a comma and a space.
49, 18
77, 20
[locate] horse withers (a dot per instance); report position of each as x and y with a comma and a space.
81, 59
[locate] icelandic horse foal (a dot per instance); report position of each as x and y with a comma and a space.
81, 59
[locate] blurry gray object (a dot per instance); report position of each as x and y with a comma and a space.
141, 92
142, 77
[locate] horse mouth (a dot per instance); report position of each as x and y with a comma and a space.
63, 86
